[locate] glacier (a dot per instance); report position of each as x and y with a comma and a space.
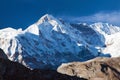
50, 42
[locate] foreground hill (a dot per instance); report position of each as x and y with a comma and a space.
95, 69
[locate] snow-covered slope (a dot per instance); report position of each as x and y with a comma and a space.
45, 44
112, 45
111, 38
105, 28
50, 42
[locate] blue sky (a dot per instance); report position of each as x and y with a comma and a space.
22, 13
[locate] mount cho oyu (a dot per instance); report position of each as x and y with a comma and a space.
50, 42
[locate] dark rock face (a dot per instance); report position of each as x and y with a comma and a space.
96, 69
15, 71
2, 54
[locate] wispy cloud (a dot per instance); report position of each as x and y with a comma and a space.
112, 17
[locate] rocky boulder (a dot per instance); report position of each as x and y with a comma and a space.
95, 69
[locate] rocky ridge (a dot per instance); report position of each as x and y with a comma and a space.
95, 69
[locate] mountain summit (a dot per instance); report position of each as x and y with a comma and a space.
45, 18
48, 43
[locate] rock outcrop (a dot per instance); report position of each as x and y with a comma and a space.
96, 69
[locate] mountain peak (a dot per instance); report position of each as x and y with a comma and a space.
46, 17
46, 20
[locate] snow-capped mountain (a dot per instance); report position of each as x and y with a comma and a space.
50, 42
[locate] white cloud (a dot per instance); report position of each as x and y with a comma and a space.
112, 17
